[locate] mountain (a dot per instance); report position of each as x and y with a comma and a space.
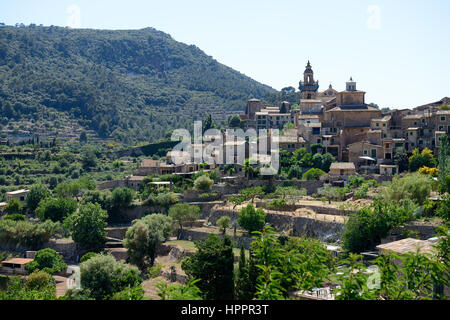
129, 85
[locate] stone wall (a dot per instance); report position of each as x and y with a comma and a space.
323, 230
116, 233
298, 226
109, 185
316, 209
67, 248
194, 235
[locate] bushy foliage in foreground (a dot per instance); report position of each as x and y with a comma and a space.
103, 276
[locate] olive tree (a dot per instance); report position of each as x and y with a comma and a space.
143, 237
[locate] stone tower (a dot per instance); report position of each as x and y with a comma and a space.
308, 87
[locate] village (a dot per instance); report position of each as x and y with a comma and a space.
338, 158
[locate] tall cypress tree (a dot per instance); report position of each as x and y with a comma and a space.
245, 282
213, 265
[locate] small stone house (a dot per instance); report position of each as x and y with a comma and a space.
342, 169
18, 194
15, 265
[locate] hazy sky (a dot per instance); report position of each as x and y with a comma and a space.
398, 50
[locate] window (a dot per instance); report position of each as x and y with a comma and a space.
365, 152
442, 118
373, 153
441, 128
378, 124
384, 124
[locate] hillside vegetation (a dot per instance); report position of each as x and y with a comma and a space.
130, 85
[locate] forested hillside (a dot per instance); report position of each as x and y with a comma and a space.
129, 85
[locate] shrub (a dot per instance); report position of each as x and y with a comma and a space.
313, 174
16, 291
88, 256
430, 171
48, 260
443, 210
39, 280
27, 234
365, 228
413, 186
223, 223
56, 209
178, 292
164, 200
15, 217
154, 272
129, 293
421, 159
277, 204
13, 207
103, 276
203, 183
251, 219
361, 192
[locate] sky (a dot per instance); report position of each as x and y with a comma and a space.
396, 50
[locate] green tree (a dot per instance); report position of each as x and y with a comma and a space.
183, 212
14, 206
103, 276
234, 121
143, 237
244, 288
223, 223
421, 159
209, 124
35, 195
212, 264
251, 219
365, 228
87, 256
354, 282
88, 226
47, 260
89, 159
203, 183
39, 280
444, 163
313, 174
413, 186
56, 209
401, 159
251, 193
331, 193
83, 137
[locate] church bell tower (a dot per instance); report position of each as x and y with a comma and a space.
308, 87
